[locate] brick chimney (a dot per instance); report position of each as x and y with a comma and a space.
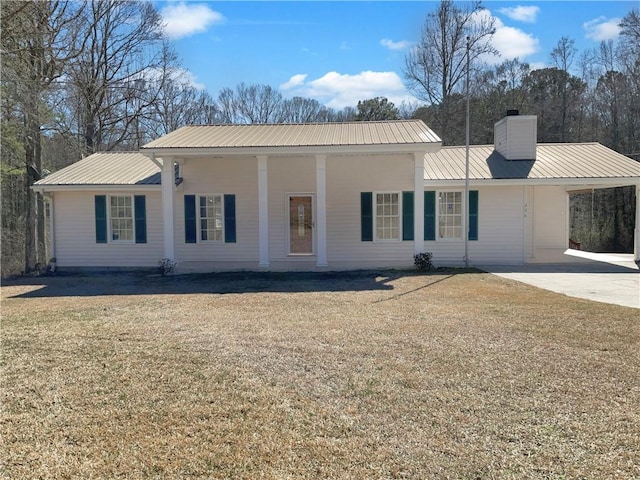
515, 136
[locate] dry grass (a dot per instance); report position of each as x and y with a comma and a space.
462, 376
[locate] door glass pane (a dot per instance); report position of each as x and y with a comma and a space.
300, 225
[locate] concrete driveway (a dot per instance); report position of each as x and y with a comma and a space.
608, 278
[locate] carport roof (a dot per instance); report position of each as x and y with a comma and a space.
554, 161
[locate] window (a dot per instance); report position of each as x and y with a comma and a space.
387, 216
121, 218
450, 215
211, 218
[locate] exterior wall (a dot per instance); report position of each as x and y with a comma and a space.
75, 237
288, 175
516, 223
347, 177
202, 176
500, 231
550, 224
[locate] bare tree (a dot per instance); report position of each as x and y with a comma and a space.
303, 110
37, 43
108, 80
562, 56
435, 68
250, 104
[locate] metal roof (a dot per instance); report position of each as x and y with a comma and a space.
398, 132
553, 161
107, 168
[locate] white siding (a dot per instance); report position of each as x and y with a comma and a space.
238, 176
288, 175
75, 234
551, 224
347, 177
516, 137
500, 232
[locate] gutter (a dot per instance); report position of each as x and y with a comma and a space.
503, 182
85, 188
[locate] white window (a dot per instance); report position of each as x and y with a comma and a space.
211, 218
387, 216
450, 215
121, 218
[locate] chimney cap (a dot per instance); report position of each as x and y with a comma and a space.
513, 113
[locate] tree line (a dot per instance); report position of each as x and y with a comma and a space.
81, 77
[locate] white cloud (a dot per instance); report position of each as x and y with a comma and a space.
182, 20
514, 43
601, 29
337, 90
510, 42
521, 13
391, 45
294, 81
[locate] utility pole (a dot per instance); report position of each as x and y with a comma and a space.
466, 174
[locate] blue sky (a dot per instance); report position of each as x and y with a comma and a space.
340, 52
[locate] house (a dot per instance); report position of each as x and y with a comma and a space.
325, 196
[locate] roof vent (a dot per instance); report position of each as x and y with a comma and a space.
513, 113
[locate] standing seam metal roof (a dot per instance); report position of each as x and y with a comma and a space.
398, 132
564, 160
558, 160
107, 168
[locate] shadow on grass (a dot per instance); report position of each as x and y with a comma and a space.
88, 285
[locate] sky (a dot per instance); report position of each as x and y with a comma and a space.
339, 52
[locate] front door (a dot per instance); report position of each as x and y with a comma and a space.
300, 224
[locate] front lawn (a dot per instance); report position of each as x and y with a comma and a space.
287, 376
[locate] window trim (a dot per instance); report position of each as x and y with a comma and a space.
109, 220
463, 219
375, 216
199, 218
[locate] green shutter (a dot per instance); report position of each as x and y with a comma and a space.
190, 226
366, 216
473, 215
230, 219
407, 215
140, 212
430, 215
101, 218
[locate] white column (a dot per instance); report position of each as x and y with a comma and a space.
52, 230
168, 184
418, 203
321, 209
263, 212
636, 236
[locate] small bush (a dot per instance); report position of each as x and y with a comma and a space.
167, 266
422, 261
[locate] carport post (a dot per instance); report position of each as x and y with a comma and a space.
636, 234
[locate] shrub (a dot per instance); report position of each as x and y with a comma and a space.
167, 266
422, 261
